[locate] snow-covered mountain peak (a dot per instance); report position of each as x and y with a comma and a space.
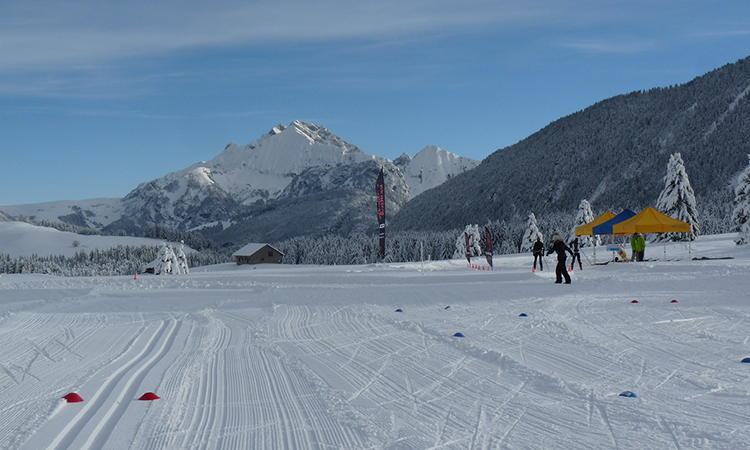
288, 161
317, 134
242, 174
277, 129
430, 150
402, 160
431, 167
285, 151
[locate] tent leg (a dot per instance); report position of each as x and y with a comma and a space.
595, 251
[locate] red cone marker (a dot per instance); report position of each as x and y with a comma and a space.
149, 396
73, 398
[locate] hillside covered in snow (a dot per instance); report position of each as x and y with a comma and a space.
614, 153
23, 239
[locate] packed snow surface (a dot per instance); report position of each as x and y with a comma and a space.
309, 357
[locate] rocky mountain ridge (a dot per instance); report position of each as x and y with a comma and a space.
286, 166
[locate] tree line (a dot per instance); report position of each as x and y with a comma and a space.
120, 260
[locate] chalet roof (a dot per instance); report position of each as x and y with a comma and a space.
252, 248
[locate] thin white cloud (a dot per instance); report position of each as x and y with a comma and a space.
625, 45
48, 34
724, 33
96, 49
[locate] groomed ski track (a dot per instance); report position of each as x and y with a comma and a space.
317, 358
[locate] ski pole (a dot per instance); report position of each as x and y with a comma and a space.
587, 258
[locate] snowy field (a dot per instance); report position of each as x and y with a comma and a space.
308, 357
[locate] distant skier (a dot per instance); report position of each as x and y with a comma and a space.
538, 251
560, 248
576, 254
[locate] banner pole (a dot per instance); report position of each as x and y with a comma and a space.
380, 193
421, 253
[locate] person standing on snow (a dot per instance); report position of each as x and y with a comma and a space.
560, 248
576, 254
638, 245
538, 251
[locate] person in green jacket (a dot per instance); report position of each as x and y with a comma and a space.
638, 245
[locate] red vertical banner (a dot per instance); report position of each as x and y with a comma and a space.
488, 252
380, 192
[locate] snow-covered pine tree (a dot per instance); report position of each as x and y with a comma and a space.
165, 260
475, 246
475, 240
584, 216
459, 250
182, 262
529, 236
677, 200
741, 212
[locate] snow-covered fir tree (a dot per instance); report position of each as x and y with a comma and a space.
181, 261
741, 212
677, 200
529, 236
475, 242
166, 262
584, 216
171, 261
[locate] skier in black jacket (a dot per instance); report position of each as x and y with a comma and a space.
538, 251
560, 248
576, 253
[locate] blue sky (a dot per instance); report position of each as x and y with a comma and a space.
98, 96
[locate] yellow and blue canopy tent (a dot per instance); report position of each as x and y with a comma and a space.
606, 227
647, 221
588, 229
650, 221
